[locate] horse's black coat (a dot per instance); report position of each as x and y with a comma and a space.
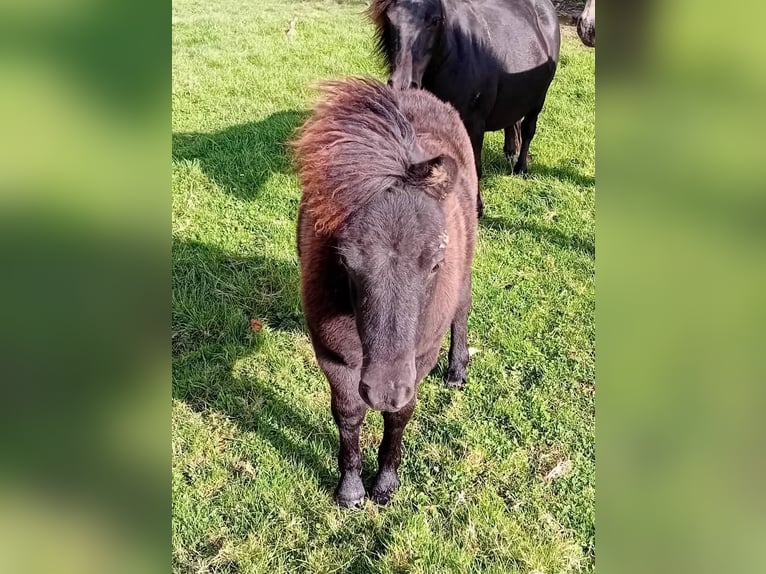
493, 60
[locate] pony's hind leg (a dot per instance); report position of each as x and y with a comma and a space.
476, 133
528, 128
458, 345
512, 141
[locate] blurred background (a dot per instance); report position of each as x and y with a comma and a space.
681, 277
85, 285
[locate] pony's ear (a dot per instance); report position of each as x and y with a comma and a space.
435, 175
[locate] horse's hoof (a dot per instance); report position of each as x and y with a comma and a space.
381, 498
386, 484
457, 383
349, 503
350, 492
455, 378
353, 502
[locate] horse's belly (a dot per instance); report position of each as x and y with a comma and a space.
519, 94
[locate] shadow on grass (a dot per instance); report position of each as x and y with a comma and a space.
281, 419
493, 161
241, 158
562, 173
549, 234
215, 296
495, 164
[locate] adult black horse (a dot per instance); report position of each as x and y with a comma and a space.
493, 60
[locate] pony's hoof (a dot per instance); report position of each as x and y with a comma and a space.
456, 378
386, 484
350, 492
521, 170
456, 383
381, 498
353, 502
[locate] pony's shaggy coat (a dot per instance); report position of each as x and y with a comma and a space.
367, 145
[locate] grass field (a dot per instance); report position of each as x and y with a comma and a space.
497, 478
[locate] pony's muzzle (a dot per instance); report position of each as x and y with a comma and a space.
402, 76
400, 85
388, 387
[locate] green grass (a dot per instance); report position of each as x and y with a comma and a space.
254, 445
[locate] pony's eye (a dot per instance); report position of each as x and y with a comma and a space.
432, 20
436, 267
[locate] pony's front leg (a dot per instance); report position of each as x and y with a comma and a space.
348, 411
390, 453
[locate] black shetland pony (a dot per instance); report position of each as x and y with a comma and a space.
386, 234
493, 60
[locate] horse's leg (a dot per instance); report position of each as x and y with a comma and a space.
476, 133
348, 410
458, 344
528, 128
512, 141
390, 453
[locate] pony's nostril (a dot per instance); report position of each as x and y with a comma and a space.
390, 83
414, 85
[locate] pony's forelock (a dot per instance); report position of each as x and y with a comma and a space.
356, 144
376, 13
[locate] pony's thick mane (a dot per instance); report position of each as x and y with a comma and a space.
376, 12
356, 144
